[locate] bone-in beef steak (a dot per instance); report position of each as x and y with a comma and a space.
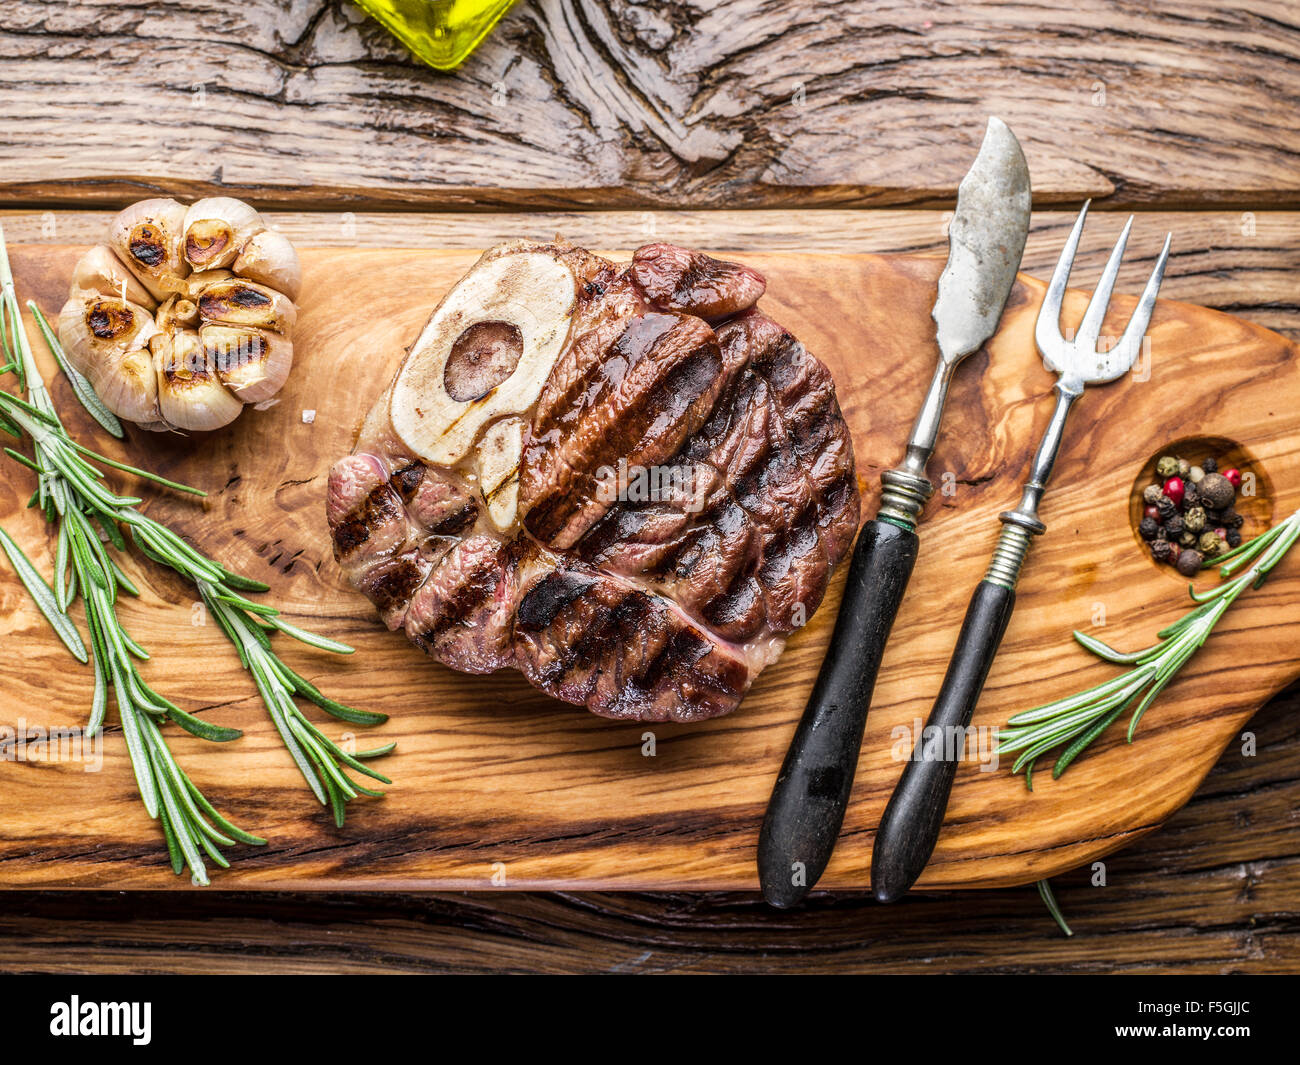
625, 482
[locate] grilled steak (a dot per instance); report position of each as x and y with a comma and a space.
624, 481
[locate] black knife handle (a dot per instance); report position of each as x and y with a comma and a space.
912, 820
807, 806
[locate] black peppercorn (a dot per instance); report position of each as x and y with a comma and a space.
1189, 563
1210, 465
1191, 495
1216, 491
1234, 538
1232, 520
1174, 527
1167, 509
1147, 528
1162, 551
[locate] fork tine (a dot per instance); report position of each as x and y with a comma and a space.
1047, 330
1090, 327
1126, 351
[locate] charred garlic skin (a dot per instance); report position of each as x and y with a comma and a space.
184, 315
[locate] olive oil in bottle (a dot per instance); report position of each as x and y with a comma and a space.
439, 32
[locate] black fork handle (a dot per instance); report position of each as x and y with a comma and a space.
910, 826
807, 806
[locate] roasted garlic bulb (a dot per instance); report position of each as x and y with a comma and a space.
184, 315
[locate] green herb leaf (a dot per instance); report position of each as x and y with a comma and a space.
44, 598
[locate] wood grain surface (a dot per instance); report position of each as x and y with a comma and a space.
495, 780
601, 103
303, 105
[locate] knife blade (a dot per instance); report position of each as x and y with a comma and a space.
986, 239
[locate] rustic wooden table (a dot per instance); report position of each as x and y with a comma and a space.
740, 125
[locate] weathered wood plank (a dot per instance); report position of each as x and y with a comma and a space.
1241, 262
717, 103
1167, 906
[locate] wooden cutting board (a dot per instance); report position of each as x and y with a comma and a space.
497, 786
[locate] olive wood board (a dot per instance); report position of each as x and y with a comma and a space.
495, 785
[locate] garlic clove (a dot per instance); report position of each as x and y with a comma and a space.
147, 238
255, 363
239, 302
101, 271
196, 283
216, 229
106, 339
128, 386
190, 395
270, 259
93, 327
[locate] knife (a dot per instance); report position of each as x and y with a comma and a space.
986, 239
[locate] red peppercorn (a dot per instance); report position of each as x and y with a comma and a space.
1152, 512
1234, 475
1222, 534
1174, 489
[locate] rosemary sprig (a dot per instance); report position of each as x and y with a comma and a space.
71, 493
1075, 721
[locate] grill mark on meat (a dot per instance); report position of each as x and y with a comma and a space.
379, 506
657, 383
469, 595
407, 479
548, 597
457, 522
391, 586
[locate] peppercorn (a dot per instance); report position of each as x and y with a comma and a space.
1217, 491
1229, 518
1210, 544
1184, 467
1189, 563
1210, 465
1175, 489
1234, 477
1174, 526
1162, 551
1162, 533
1194, 519
1196, 474
1166, 467
1188, 538
1234, 538
1153, 493
1191, 495
1147, 529
1166, 508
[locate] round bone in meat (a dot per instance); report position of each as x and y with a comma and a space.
532, 292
